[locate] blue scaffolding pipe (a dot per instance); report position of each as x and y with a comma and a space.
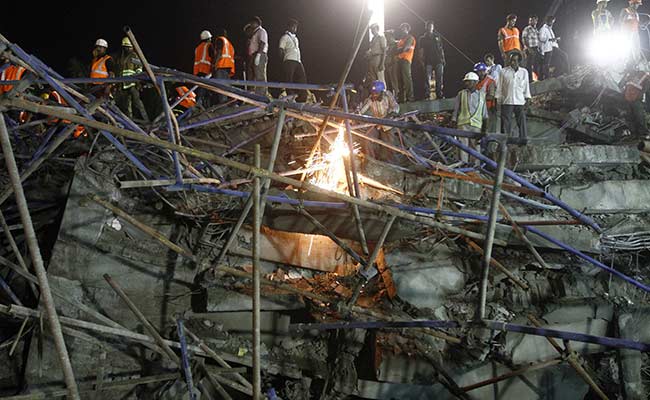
5, 286
43, 71
171, 136
491, 325
220, 118
185, 359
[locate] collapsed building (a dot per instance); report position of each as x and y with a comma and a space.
256, 245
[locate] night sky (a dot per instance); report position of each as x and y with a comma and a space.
168, 31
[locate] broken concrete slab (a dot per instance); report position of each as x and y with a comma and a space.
632, 196
426, 281
634, 326
532, 158
428, 106
222, 300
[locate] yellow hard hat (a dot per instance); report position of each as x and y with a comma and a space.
126, 42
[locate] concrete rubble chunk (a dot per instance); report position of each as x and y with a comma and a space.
532, 158
611, 197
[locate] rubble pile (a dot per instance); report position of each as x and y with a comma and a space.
186, 254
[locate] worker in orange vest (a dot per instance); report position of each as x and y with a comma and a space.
11, 73
102, 67
188, 101
636, 84
224, 63
630, 24
488, 85
203, 62
58, 99
405, 52
508, 38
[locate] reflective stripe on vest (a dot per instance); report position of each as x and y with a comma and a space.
11, 73
227, 59
631, 20
510, 39
190, 100
99, 69
202, 59
407, 52
129, 72
464, 117
484, 86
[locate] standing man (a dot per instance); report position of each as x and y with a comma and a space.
432, 58
294, 71
470, 112
508, 38
513, 92
381, 104
636, 85
392, 73
602, 18
488, 85
258, 48
102, 67
530, 41
630, 22
224, 63
129, 64
203, 61
548, 42
405, 52
376, 55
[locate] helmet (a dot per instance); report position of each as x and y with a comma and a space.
101, 43
480, 66
471, 76
126, 42
405, 25
378, 87
205, 35
602, 1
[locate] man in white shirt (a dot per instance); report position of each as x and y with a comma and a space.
258, 48
547, 43
294, 71
513, 92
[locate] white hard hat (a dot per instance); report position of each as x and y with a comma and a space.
471, 76
205, 35
602, 1
102, 43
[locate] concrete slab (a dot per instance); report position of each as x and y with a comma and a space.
428, 106
426, 281
532, 158
607, 197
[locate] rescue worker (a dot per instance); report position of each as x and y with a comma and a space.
258, 48
431, 54
630, 24
392, 73
203, 61
188, 102
56, 98
635, 85
102, 67
530, 42
10, 72
548, 43
602, 18
128, 64
381, 103
405, 52
493, 68
488, 85
294, 71
508, 38
224, 63
513, 94
376, 55
470, 112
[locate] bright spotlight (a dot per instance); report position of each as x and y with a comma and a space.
378, 13
609, 49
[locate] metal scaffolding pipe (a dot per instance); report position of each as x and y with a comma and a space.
491, 229
257, 223
37, 261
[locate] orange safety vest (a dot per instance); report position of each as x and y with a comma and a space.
11, 73
227, 59
79, 130
190, 100
99, 69
407, 52
202, 59
510, 39
486, 83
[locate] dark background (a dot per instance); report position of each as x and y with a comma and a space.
57, 31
